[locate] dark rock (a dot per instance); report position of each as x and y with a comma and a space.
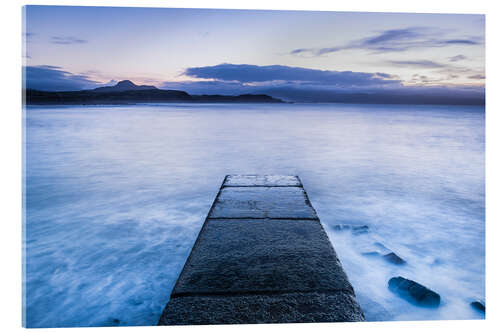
478, 305
355, 229
341, 227
414, 292
394, 259
391, 257
360, 229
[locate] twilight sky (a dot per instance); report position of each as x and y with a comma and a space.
224, 51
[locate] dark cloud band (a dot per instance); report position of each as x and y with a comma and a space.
53, 78
255, 74
393, 40
66, 40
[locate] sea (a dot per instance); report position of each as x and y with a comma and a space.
114, 198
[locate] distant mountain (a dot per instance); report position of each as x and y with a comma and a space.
126, 92
125, 85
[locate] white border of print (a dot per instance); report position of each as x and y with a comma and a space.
10, 139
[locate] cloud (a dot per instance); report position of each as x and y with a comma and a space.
458, 57
403, 94
208, 87
461, 42
393, 40
325, 94
110, 83
49, 67
310, 85
451, 71
53, 78
416, 64
66, 40
276, 74
470, 95
289, 83
385, 75
477, 77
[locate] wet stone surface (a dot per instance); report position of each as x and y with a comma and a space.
263, 202
255, 309
259, 180
262, 256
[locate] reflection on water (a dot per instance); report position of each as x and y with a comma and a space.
115, 197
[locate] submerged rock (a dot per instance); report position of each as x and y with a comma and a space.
414, 292
381, 250
394, 258
478, 305
356, 229
381, 247
371, 254
341, 227
360, 229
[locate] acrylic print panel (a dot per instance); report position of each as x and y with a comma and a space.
354, 145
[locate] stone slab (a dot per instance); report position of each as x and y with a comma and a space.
255, 309
240, 256
259, 180
262, 256
263, 202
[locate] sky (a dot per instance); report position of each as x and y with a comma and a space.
241, 51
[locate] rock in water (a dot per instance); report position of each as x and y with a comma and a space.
371, 254
478, 305
360, 229
341, 227
382, 247
394, 258
356, 229
414, 292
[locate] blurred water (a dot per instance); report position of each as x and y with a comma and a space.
115, 197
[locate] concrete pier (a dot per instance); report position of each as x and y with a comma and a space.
261, 256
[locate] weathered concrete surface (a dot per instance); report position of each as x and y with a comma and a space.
258, 180
262, 202
262, 256
235, 256
262, 308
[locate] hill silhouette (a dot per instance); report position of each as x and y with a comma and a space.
124, 86
126, 92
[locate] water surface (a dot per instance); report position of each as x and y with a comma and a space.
115, 197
